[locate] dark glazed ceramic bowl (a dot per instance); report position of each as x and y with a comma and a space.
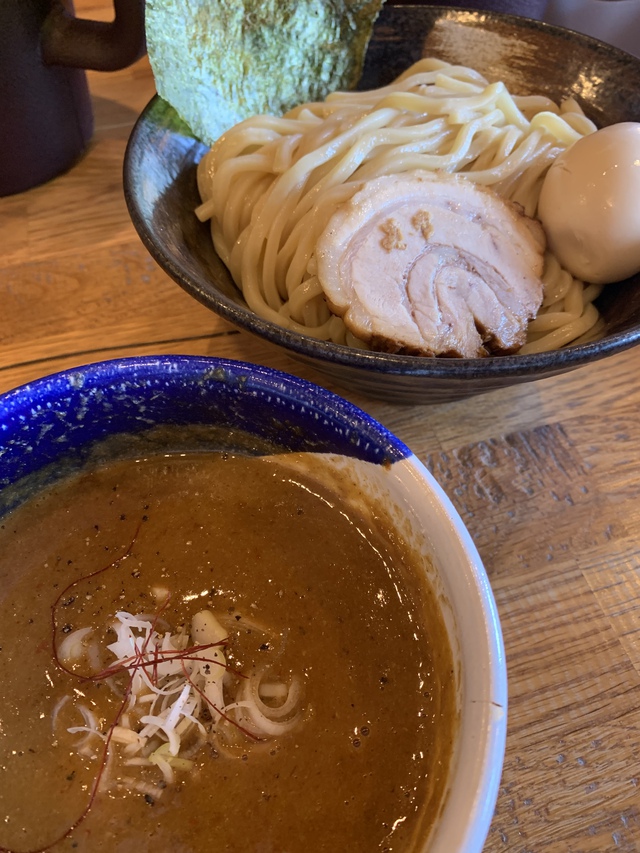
160, 188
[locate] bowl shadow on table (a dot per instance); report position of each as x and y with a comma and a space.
161, 193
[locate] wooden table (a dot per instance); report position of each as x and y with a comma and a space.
545, 476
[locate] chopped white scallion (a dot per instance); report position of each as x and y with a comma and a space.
264, 719
71, 648
56, 710
177, 681
273, 691
120, 734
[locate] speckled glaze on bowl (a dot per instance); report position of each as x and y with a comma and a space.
531, 57
53, 424
66, 413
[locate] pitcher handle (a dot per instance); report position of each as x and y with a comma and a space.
96, 45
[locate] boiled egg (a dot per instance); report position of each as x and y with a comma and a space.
590, 205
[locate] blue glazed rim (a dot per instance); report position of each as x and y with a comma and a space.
67, 413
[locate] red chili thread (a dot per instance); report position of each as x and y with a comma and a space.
60, 665
224, 716
135, 662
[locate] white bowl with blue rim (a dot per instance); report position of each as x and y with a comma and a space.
51, 426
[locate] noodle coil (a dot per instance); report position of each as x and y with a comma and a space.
270, 185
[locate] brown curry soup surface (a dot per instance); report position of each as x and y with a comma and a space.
347, 608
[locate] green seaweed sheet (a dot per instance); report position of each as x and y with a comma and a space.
220, 61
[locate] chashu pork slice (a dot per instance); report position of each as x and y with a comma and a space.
431, 264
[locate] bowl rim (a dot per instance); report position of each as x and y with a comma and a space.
19, 402
481, 751
478, 763
77, 389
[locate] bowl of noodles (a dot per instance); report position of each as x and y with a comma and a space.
186, 657
262, 226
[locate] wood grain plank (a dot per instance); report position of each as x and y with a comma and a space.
596, 388
539, 516
114, 293
525, 498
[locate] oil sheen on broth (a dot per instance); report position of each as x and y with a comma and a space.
305, 586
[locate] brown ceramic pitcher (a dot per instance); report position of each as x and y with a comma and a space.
46, 120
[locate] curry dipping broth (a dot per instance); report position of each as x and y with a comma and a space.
321, 604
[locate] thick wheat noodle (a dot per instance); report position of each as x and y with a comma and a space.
270, 185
